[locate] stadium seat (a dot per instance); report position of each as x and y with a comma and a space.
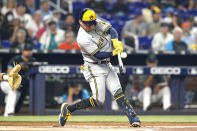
6, 44
192, 12
108, 6
145, 43
36, 44
78, 6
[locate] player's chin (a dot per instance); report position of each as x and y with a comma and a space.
90, 28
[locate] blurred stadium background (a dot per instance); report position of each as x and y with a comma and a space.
164, 31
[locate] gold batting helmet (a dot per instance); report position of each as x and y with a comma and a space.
88, 16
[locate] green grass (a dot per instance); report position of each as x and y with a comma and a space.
187, 119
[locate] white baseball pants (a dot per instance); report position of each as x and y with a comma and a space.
11, 98
100, 76
146, 97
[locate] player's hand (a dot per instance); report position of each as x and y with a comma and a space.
14, 79
116, 50
117, 43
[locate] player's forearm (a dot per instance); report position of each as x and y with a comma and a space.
102, 55
148, 81
113, 33
70, 99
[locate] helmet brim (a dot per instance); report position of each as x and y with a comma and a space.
90, 22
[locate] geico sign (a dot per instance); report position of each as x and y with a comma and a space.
165, 70
138, 70
54, 69
192, 71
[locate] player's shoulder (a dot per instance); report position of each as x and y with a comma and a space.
33, 59
82, 35
17, 57
102, 22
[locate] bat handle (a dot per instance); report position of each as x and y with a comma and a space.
119, 58
118, 54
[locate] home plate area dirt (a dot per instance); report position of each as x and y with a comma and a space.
79, 126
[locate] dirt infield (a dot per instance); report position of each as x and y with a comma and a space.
107, 126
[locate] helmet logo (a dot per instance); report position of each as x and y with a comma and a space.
91, 17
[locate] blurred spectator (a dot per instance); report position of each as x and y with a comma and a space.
120, 8
44, 28
30, 6
35, 24
193, 47
195, 5
21, 39
161, 38
166, 3
75, 93
51, 38
98, 6
70, 24
7, 26
168, 15
177, 44
181, 7
154, 88
57, 17
194, 27
154, 26
187, 37
1, 15
19, 42
137, 26
133, 29
10, 5
45, 8
176, 20
1, 20
20, 14
191, 4
147, 13
17, 25
69, 43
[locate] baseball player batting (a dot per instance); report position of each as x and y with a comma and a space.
98, 41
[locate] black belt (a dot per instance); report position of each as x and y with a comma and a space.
101, 62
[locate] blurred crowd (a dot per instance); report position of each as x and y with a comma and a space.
161, 25
21, 23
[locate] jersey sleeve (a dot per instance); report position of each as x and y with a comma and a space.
103, 26
11, 62
88, 47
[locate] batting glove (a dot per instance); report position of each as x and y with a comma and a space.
116, 43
